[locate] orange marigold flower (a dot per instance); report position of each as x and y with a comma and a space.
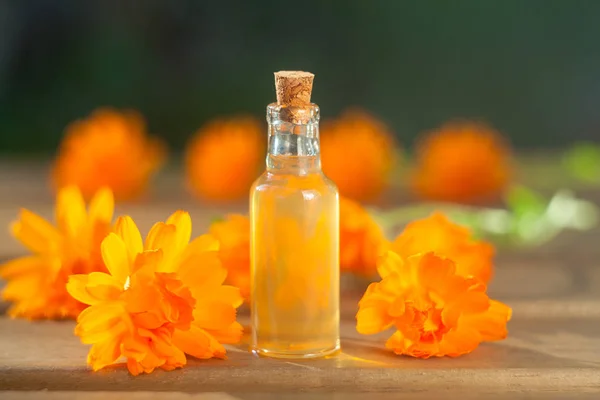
37, 283
435, 311
436, 233
108, 149
224, 157
233, 234
462, 162
162, 298
358, 153
361, 239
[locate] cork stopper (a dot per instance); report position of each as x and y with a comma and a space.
293, 88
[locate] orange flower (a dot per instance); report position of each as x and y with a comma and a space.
109, 149
436, 233
233, 234
162, 299
462, 162
36, 283
435, 311
358, 154
224, 157
361, 239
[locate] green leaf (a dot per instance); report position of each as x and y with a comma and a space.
523, 201
582, 162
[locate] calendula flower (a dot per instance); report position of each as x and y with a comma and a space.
361, 239
436, 233
358, 153
462, 162
37, 282
435, 311
162, 298
224, 157
233, 234
108, 149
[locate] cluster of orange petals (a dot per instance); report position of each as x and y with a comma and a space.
37, 283
361, 239
462, 162
437, 234
233, 234
162, 298
436, 307
108, 149
224, 157
358, 153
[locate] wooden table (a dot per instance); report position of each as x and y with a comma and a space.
553, 349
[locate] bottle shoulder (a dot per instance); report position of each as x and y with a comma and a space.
314, 181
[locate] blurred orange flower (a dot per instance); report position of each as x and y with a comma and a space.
436, 233
37, 283
462, 162
161, 299
361, 239
358, 153
435, 311
224, 157
233, 234
108, 149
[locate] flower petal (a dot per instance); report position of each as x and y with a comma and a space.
149, 260
94, 317
160, 236
371, 320
116, 258
198, 343
128, 231
71, 214
93, 288
135, 348
183, 224
203, 274
37, 234
214, 315
229, 335
433, 271
177, 360
160, 341
151, 362
104, 353
229, 295
134, 366
399, 343
202, 244
163, 237
460, 341
21, 266
76, 286
102, 206
388, 263
491, 324
23, 287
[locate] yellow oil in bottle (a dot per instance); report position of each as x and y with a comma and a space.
294, 216
295, 261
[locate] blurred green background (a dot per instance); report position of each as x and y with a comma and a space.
530, 68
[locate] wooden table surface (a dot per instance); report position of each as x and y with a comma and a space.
553, 349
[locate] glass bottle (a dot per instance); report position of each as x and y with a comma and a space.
294, 213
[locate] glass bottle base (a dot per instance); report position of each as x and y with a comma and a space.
317, 353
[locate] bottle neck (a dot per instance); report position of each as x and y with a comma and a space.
293, 140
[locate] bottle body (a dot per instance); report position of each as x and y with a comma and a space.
294, 213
